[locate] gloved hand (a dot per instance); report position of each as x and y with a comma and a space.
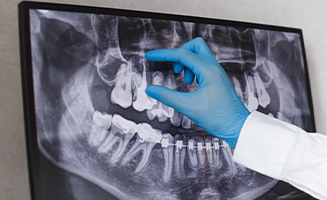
215, 106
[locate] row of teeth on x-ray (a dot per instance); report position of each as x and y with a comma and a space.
129, 83
122, 131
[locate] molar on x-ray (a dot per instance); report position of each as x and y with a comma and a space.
95, 120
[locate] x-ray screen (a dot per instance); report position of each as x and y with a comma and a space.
99, 136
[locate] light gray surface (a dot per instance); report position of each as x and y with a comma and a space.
308, 15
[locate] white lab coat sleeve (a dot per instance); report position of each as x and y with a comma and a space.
285, 152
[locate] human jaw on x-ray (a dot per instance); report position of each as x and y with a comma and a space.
95, 120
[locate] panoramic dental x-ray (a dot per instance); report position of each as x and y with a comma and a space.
95, 120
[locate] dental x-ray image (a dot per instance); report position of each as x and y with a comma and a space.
99, 130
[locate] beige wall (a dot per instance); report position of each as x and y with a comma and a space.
308, 15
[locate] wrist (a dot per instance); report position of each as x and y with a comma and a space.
236, 129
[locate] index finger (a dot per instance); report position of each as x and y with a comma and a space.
200, 47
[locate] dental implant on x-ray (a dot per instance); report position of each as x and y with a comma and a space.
105, 128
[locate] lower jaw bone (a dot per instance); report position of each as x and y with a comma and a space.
228, 157
180, 155
146, 139
168, 154
192, 151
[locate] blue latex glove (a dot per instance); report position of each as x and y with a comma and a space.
215, 106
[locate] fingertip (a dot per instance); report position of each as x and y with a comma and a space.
148, 54
188, 76
178, 68
150, 91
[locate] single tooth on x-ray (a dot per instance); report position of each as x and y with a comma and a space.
201, 150
209, 151
167, 144
192, 153
263, 96
226, 149
159, 109
180, 151
175, 120
121, 132
122, 92
142, 101
216, 153
171, 84
238, 89
99, 129
186, 122
147, 138
252, 103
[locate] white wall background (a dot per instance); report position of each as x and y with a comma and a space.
310, 16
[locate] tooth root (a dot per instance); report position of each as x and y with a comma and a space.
168, 154
228, 157
139, 147
263, 96
201, 150
142, 100
186, 122
175, 120
237, 87
109, 141
147, 149
122, 131
122, 92
147, 138
209, 151
122, 146
98, 133
133, 151
120, 149
192, 151
216, 153
180, 155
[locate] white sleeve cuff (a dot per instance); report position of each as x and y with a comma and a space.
264, 144
285, 152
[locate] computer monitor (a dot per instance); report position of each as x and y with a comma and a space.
93, 133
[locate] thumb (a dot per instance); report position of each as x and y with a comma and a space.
175, 99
